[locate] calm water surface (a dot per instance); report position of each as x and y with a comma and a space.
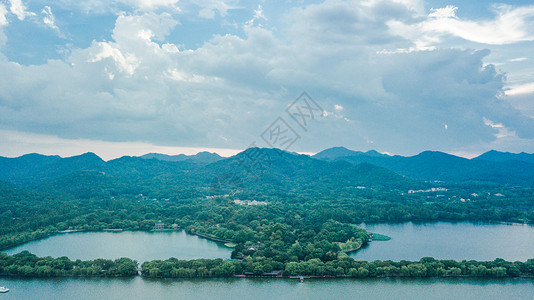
137, 288
443, 240
138, 245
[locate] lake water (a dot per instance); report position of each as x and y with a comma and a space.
138, 245
443, 240
385, 288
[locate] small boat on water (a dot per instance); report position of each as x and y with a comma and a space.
3, 289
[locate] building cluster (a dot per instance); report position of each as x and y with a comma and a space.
249, 202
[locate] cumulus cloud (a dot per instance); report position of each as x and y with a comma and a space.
208, 8
3, 22
258, 15
510, 25
126, 63
50, 20
118, 6
3, 13
19, 9
140, 86
444, 13
520, 89
144, 100
151, 4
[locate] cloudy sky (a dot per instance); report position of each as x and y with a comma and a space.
134, 76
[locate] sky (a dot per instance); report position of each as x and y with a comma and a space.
128, 77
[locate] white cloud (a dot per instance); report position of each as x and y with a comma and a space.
186, 77
3, 13
519, 59
140, 86
19, 9
510, 25
206, 13
133, 46
258, 15
152, 4
50, 20
3, 22
521, 89
501, 130
92, 7
209, 7
416, 6
126, 63
447, 12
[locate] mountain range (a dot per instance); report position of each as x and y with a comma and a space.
202, 157
275, 167
490, 167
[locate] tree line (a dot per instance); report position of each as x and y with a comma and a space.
28, 265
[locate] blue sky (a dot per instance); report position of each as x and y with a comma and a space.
136, 76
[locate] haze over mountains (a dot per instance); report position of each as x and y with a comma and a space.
279, 167
203, 157
492, 166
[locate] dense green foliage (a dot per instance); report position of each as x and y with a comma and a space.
426, 267
302, 221
193, 268
29, 265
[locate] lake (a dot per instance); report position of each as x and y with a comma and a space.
384, 288
138, 245
444, 240
409, 241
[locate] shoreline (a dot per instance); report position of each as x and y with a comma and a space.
227, 241
296, 277
209, 237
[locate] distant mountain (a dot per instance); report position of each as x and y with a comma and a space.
84, 184
284, 171
165, 157
506, 156
265, 171
201, 157
32, 169
435, 165
137, 167
257, 169
339, 152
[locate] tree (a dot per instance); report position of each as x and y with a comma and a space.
227, 268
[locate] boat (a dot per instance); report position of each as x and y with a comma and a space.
3, 289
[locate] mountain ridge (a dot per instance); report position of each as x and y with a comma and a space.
203, 156
498, 156
436, 165
34, 169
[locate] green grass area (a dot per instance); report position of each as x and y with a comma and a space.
380, 237
350, 245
